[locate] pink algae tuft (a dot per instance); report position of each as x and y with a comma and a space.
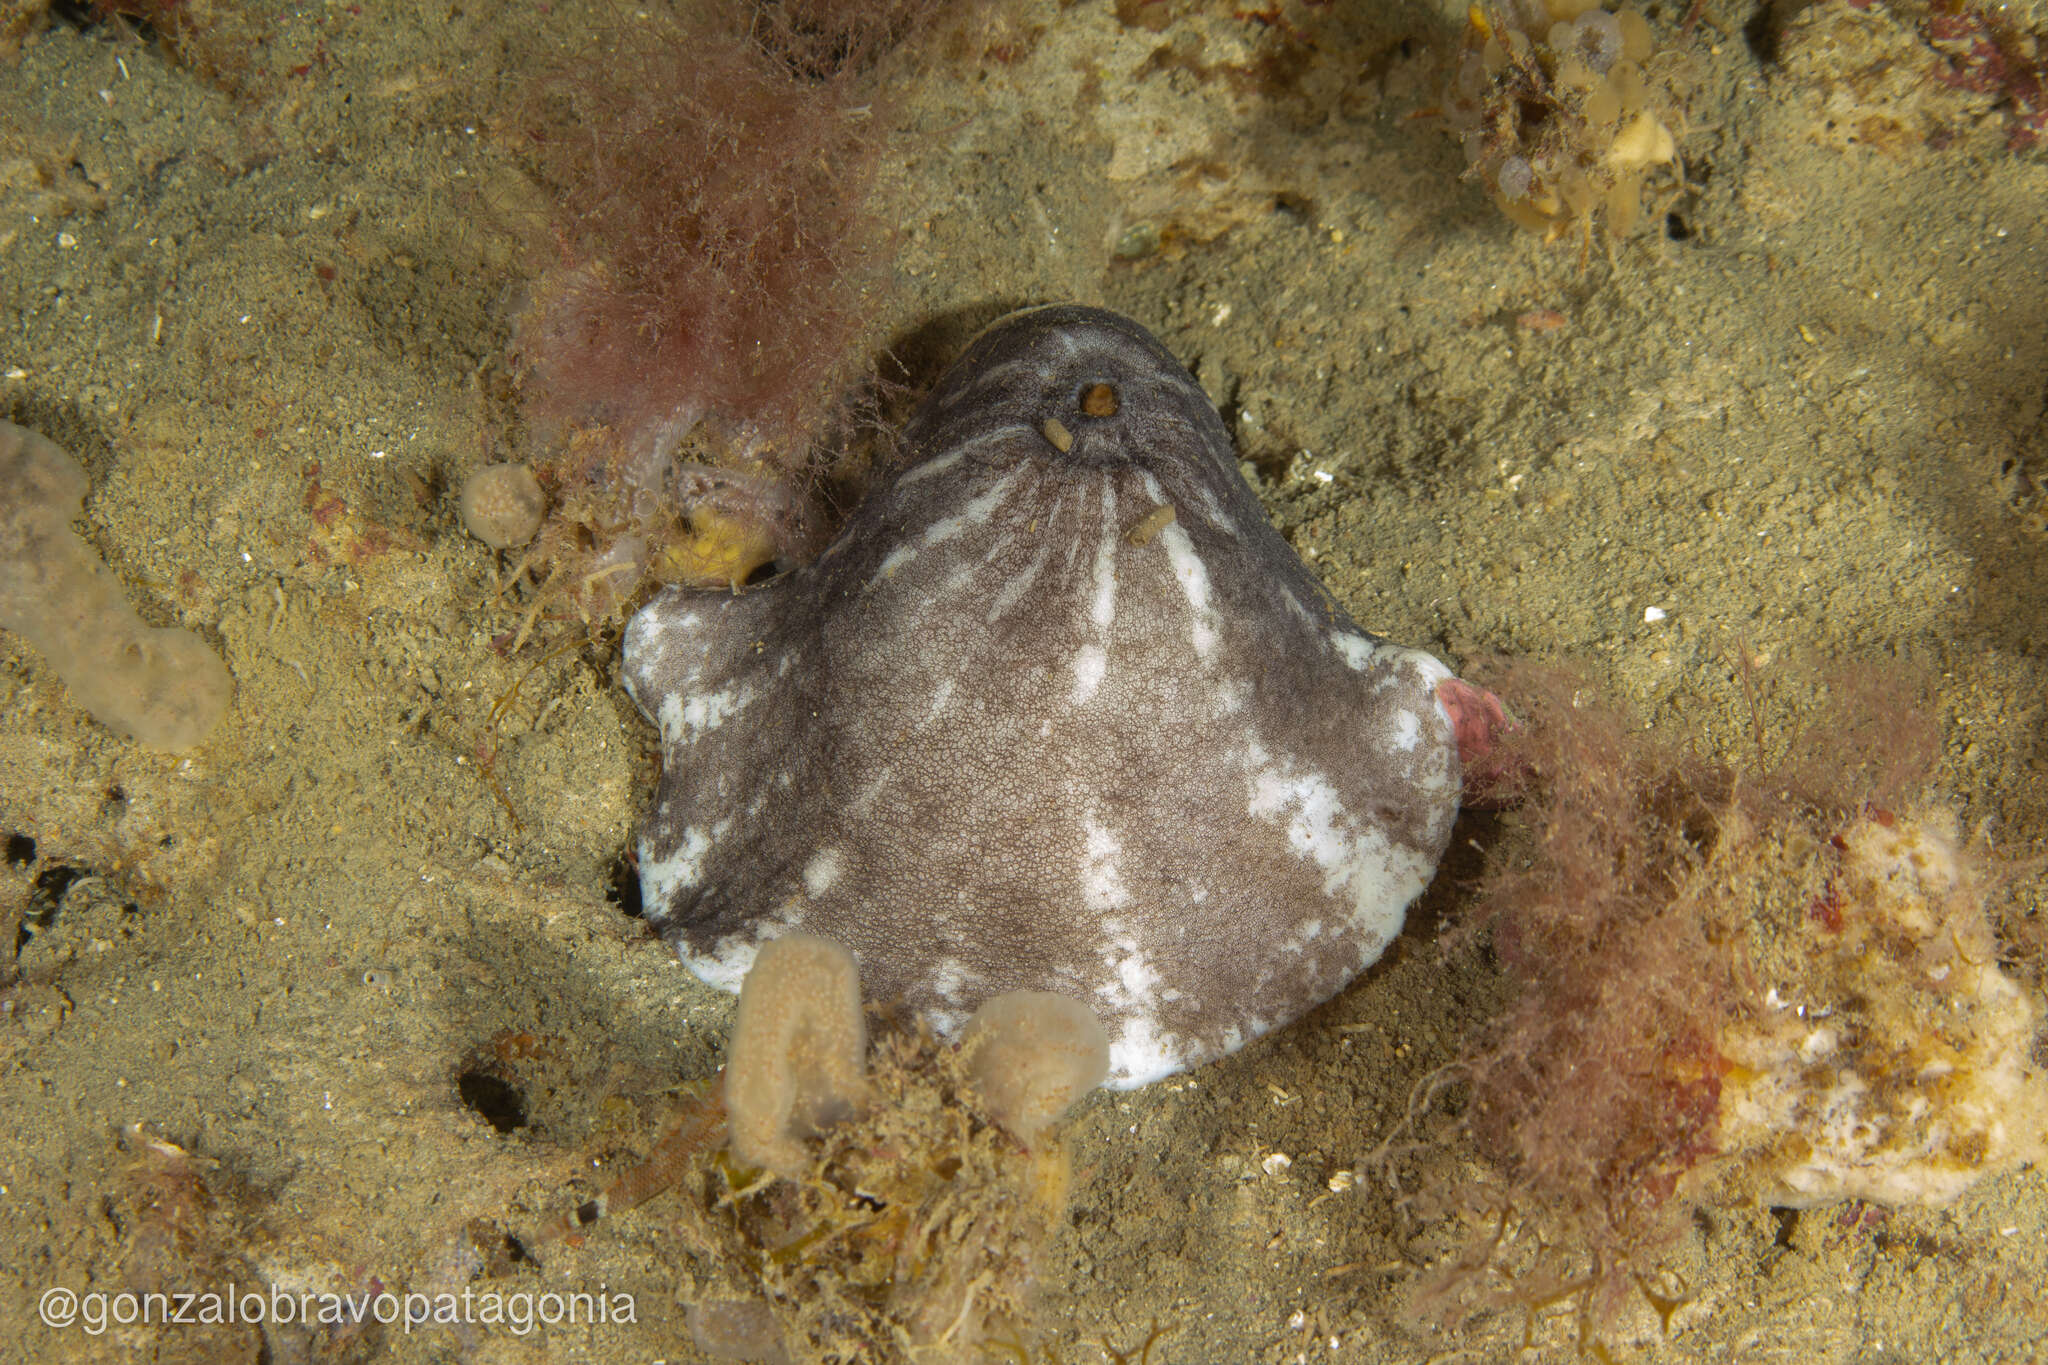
710, 201
687, 354
1595, 1087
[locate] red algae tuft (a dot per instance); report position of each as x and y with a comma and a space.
686, 356
1595, 1087
712, 205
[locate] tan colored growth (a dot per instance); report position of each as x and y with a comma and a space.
161, 686
714, 550
797, 1060
1032, 1054
910, 1231
503, 505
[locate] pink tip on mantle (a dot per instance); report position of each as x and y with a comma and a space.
1477, 720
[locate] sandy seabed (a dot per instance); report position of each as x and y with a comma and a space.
271, 995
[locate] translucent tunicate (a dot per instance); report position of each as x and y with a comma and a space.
1473, 83
1597, 38
1514, 178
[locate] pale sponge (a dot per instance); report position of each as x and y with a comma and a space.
163, 687
1032, 1054
798, 1057
1891, 1060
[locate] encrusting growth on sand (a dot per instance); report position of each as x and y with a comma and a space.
161, 686
1888, 1058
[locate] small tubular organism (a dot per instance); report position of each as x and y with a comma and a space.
161, 686
797, 1060
906, 1208
1032, 1054
1567, 112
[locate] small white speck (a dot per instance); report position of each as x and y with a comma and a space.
1219, 315
822, 872
1653, 614
376, 454
1090, 665
1276, 1163
1341, 1182
243, 318
65, 241
1325, 476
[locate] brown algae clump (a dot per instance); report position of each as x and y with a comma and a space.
161, 686
1567, 112
1727, 986
910, 1229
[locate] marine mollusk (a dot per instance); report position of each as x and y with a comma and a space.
1057, 710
